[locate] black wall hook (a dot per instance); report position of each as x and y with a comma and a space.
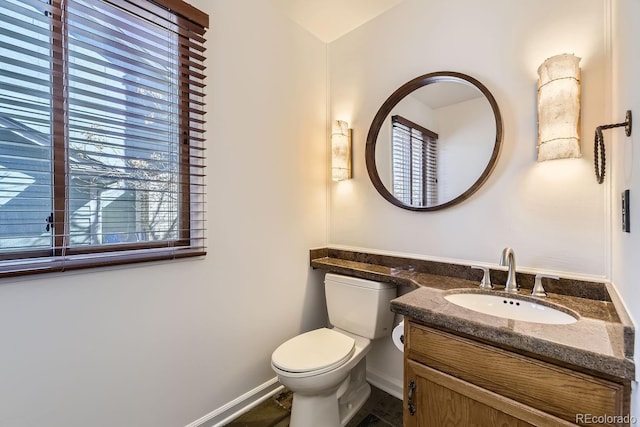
598, 145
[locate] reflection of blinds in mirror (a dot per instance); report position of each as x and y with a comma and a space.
414, 163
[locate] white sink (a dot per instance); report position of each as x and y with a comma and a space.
511, 308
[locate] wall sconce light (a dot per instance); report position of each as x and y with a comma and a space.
559, 108
598, 145
340, 151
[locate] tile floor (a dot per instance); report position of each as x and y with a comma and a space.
380, 410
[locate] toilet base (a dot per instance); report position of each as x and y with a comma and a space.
356, 393
347, 411
315, 411
335, 408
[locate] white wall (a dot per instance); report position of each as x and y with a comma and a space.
552, 214
623, 169
164, 344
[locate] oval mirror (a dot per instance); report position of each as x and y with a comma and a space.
434, 141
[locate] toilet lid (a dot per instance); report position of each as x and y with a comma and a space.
322, 349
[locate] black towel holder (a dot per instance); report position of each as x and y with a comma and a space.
598, 145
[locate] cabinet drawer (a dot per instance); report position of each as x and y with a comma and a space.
549, 388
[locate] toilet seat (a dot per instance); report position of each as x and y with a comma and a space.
313, 353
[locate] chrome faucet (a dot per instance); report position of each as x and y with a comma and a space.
508, 258
538, 289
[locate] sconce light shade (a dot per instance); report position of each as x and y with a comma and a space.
340, 151
559, 108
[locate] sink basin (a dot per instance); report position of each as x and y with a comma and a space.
511, 308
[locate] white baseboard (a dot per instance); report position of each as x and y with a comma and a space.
385, 383
239, 406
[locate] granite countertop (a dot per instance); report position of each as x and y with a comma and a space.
601, 341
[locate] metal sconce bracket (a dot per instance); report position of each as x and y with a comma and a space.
598, 146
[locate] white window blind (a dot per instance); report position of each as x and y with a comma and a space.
414, 163
101, 133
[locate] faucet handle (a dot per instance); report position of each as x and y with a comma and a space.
486, 278
538, 289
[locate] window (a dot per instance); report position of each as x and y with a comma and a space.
101, 133
414, 163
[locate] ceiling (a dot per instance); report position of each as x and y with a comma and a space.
331, 19
446, 93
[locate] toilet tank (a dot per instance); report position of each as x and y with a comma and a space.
359, 306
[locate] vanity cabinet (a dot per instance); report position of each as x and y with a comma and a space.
455, 381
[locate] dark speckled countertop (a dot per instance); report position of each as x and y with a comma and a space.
600, 342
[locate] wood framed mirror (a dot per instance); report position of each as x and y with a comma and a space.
434, 141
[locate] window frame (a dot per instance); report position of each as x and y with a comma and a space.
62, 255
428, 141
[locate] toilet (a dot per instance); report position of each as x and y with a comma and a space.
325, 368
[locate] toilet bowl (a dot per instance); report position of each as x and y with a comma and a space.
326, 368
329, 385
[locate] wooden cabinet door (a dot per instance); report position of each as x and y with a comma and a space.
551, 389
441, 400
